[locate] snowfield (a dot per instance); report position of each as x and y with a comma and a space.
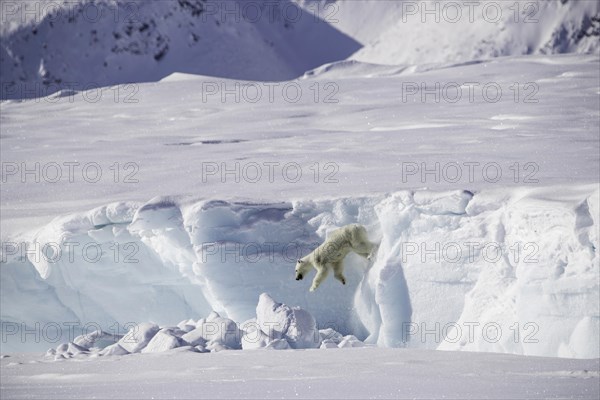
357, 373
150, 224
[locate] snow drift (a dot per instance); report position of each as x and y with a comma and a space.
505, 271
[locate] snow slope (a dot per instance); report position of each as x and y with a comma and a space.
415, 32
353, 128
82, 45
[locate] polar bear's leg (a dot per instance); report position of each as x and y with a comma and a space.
338, 272
322, 272
360, 242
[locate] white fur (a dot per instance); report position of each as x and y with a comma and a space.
331, 253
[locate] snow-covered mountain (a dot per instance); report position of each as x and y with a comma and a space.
79, 44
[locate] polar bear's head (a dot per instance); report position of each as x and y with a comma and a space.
302, 268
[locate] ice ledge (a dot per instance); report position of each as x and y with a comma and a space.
454, 264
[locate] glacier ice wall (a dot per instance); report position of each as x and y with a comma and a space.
504, 271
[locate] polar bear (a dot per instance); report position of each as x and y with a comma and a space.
331, 253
